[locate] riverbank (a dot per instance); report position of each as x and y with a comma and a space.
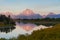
44, 34
44, 21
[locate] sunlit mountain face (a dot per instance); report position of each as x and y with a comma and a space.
28, 14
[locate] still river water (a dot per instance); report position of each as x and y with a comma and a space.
20, 29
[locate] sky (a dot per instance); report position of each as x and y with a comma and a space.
42, 7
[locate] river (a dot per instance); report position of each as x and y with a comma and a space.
20, 29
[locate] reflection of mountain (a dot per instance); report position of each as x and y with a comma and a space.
31, 26
28, 14
6, 29
52, 15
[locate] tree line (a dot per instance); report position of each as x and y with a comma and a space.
6, 20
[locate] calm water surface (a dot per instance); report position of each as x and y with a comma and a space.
19, 29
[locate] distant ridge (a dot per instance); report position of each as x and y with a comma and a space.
28, 14
52, 15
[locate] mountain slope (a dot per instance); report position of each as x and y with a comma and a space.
52, 15
28, 14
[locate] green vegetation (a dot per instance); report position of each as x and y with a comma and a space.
6, 24
44, 34
2, 39
42, 21
6, 21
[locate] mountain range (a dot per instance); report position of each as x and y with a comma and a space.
29, 14
52, 15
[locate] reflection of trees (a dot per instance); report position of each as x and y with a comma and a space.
45, 24
6, 29
6, 23
43, 21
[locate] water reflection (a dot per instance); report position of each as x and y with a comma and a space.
7, 29
20, 29
27, 26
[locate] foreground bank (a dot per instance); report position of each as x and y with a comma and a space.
44, 34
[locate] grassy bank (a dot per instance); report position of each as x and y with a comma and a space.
45, 34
